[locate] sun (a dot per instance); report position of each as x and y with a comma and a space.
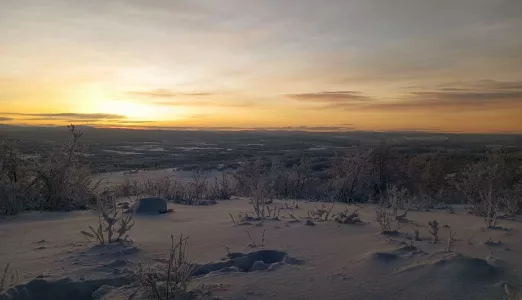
129, 109
138, 111
93, 99
97, 101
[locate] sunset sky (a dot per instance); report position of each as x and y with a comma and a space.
434, 65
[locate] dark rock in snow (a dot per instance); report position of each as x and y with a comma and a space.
152, 205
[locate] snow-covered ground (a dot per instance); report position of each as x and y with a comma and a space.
338, 261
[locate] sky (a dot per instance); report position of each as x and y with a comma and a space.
426, 65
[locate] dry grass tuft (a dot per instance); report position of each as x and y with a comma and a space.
416, 236
197, 191
322, 213
253, 243
451, 239
346, 217
261, 212
434, 230
264, 208
293, 219
8, 278
510, 291
399, 199
295, 205
470, 240
242, 218
491, 242
171, 279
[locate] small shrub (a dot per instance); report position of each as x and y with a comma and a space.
19, 190
196, 189
171, 279
222, 188
65, 182
385, 220
128, 188
512, 201
490, 184
434, 230
11, 197
490, 219
113, 225
451, 239
273, 212
398, 199
11, 187
346, 217
159, 187
249, 177
322, 213
58, 182
348, 177
263, 207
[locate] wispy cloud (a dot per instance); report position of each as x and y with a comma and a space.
470, 95
68, 115
164, 93
215, 103
330, 96
80, 120
195, 99
134, 122
475, 96
331, 99
4, 119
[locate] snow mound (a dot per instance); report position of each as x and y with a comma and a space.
249, 262
391, 256
456, 268
61, 289
465, 268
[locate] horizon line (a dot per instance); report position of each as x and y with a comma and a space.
310, 129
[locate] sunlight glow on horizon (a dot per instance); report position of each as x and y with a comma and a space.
131, 110
426, 65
